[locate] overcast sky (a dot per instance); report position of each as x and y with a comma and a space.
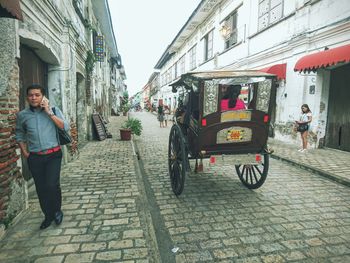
143, 30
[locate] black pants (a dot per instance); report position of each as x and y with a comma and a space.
46, 171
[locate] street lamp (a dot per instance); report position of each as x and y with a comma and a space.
225, 31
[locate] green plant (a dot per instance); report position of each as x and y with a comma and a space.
90, 62
134, 125
125, 107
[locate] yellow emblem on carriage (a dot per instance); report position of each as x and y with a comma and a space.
235, 135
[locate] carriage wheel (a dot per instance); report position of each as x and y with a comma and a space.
177, 159
253, 175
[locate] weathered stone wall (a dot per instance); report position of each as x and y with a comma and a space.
12, 192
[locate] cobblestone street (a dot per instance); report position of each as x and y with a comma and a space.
120, 210
295, 216
104, 219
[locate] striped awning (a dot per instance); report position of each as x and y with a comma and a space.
323, 59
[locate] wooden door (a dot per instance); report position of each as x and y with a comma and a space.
338, 123
31, 70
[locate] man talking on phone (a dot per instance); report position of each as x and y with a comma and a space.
36, 135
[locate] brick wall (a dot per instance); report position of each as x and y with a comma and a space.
12, 197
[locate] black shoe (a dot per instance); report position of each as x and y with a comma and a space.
58, 217
46, 223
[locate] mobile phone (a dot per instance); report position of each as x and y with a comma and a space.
44, 99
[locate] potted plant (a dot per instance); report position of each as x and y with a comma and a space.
130, 126
125, 108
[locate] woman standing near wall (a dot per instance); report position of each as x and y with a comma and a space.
304, 125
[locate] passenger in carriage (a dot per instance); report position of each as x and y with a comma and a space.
230, 100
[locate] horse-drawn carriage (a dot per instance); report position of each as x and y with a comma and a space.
206, 127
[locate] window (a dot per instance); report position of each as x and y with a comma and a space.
176, 65
173, 71
270, 11
208, 45
193, 54
182, 65
163, 79
168, 75
229, 30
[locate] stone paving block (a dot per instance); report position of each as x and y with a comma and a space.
119, 244
83, 238
314, 242
75, 231
80, 258
193, 237
109, 255
66, 248
52, 259
51, 232
135, 253
212, 243
140, 243
132, 234
56, 240
252, 239
96, 246
316, 252
179, 230
247, 250
115, 211
122, 221
224, 253
272, 259
339, 250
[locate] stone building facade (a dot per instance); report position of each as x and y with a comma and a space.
68, 46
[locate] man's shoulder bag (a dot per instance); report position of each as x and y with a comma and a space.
63, 136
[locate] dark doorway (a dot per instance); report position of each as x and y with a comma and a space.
338, 123
31, 70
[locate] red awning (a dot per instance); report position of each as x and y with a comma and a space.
323, 59
11, 9
279, 70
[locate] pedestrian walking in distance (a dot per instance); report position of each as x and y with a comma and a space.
166, 115
161, 116
36, 135
303, 125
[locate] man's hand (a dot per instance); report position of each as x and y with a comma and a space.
26, 154
45, 105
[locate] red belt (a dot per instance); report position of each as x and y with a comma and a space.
48, 151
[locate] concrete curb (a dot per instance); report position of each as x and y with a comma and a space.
328, 175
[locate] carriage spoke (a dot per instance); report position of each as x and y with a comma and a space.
257, 168
246, 174
250, 175
253, 170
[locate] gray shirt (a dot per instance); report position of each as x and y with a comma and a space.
35, 127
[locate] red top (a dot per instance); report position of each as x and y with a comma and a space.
239, 105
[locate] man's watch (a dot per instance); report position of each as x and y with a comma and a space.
51, 113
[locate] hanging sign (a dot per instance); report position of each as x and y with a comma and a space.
99, 51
